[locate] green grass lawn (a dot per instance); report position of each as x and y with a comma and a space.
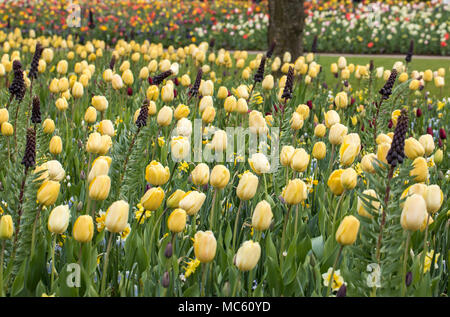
387, 63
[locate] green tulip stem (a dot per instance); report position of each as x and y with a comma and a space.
236, 222
425, 249
33, 234
265, 183
333, 225
332, 270
330, 163
1, 268
405, 259
213, 205
53, 261
204, 270
105, 265
236, 284
286, 219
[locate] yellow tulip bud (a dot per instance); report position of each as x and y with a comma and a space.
153, 198
248, 184
296, 121
164, 117
7, 129
177, 220
174, 200
55, 146
287, 151
295, 192
205, 245
331, 118
268, 82
61, 104
335, 183
209, 114
257, 122
383, 138
200, 174
382, 151
341, 100
4, 115
259, 163
337, 133
362, 209
83, 229
320, 130
167, 94
185, 80
117, 216
106, 127
303, 110
6, 227
77, 90
156, 174
427, 143
90, 116
192, 202
247, 256
262, 216
347, 231
241, 106
349, 178
180, 147
367, 163
152, 93
230, 104
117, 82
394, 116
414, 212
319, 150
434, 198
58, 221
420, 170
428, 75
438, 156
108, 75
48, 192
300, 160
413, 148
99, 187
100, 103
220, 176
182, 111
99, 167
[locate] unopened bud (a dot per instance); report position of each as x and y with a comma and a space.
80, 206
168, 251
408, 279
342, 292
166, 280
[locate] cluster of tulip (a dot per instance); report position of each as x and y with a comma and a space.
133, 151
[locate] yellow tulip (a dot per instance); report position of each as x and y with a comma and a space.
48, 192
152, 198
58, 221
295, 192
83, 229
248, 256
205, 245
99, 187
117, 216
177, 220
347, 231
335, 183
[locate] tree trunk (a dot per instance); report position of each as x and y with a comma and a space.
286, 23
